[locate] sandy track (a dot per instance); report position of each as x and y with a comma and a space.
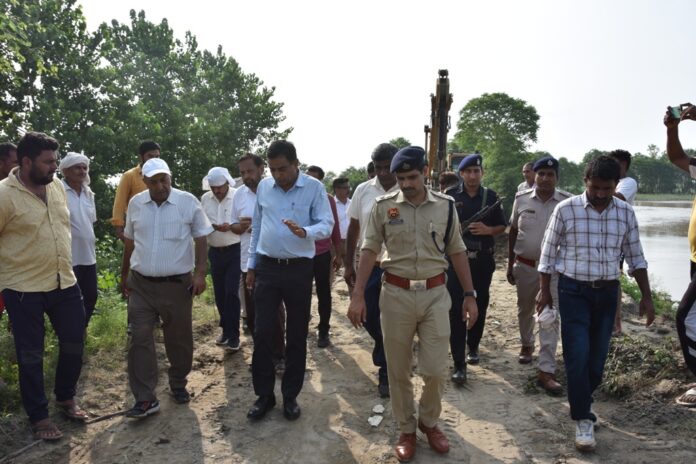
500, 417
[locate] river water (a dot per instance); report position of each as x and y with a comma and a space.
663, 233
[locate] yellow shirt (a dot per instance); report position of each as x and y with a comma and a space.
692, 232
34, 238
130, 185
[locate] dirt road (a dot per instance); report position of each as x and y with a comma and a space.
500, 417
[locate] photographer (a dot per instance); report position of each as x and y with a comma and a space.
686, 314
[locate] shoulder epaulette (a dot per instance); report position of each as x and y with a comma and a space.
444, 196
387, 196
524, 192
564, 193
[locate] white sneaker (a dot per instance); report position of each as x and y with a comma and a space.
584, 435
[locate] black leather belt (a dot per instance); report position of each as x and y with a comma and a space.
594, 283
172, 278
283, 261
224, 247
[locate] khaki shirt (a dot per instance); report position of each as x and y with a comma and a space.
131, 184
530, 216
34, 238
406, 229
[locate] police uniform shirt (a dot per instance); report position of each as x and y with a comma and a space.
467, 206
530, 215
406, 229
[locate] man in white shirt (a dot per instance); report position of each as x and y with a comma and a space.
83, 215
341, 188
251, 169
360, 208
162, 226
528, 174
223, 253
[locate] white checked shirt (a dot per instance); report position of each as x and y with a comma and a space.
586, 245
83, 215
243, 206
219, 212
164, 235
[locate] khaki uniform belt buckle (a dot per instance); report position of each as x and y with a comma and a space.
418, 285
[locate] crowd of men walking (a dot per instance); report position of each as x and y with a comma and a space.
415, 260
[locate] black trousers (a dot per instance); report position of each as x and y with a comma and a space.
87, 281
225, 271
322, 283
67, 315
290, 283
482, 269
373, 324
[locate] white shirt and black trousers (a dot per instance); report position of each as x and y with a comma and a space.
83, 215
585, 246
224, 255
160, 285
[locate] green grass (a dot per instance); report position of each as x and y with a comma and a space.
665, 197
664, 305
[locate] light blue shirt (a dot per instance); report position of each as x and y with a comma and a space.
306, 203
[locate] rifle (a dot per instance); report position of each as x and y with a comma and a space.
481, 214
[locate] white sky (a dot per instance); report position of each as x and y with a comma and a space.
354, 74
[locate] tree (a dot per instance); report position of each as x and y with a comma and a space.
355, 176
400, 142
500, 128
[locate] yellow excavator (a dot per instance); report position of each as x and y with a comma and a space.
436, 132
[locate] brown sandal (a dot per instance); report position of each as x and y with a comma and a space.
46, 430
72, 411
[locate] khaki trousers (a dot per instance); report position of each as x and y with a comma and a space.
172, 302
527, 284
404, 314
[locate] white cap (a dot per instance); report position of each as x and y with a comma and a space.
155, 166
217, 177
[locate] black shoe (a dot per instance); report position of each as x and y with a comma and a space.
221, 340
291, 410
232, 345
142, 409
323, 340
459, 375
472, 357
383, 386
262, 405
181, 395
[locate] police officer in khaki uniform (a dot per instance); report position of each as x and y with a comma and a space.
530, 215
418, 227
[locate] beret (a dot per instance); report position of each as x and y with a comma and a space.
470, 161
407, 159
546, 162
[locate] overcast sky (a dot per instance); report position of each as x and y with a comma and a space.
353, 74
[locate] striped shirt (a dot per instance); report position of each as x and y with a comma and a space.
586, 245
164, 235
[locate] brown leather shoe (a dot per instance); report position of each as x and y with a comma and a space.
525, 356
548, 382
436, 439
406, 447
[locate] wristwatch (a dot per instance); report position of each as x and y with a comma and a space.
471, 293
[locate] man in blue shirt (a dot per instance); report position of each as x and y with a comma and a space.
292, 212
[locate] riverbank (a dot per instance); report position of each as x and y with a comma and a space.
501, 416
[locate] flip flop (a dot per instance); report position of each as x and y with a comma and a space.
688, 399
72, 411
46, 430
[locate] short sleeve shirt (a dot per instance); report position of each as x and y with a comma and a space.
219, 212
364, 200
530, 215
628, 187
243, 206
164, 234
414, 236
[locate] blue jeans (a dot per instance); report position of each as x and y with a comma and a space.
225, 271
587, 320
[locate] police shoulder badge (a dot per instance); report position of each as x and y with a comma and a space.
394, 216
